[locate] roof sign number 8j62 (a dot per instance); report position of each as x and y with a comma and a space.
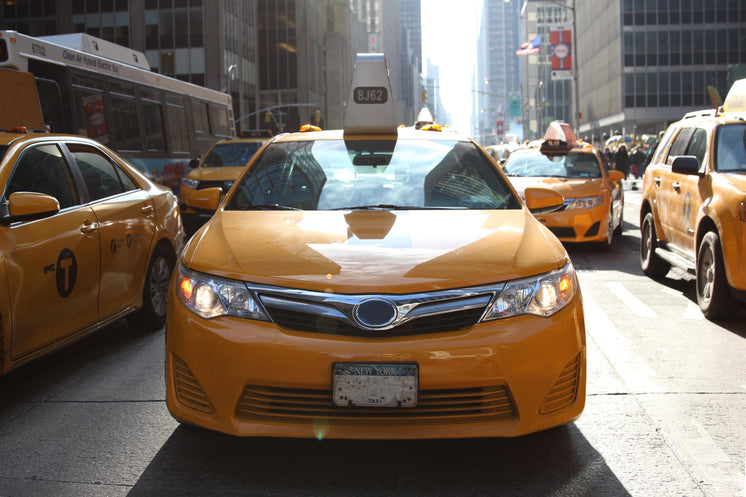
370, 95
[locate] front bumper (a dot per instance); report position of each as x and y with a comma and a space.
502, 378
578, 225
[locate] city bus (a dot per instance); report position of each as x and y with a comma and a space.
92, 87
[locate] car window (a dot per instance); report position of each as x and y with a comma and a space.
730, 154
679, 145
339, 174
698, 145
231, 154
101, 176
43, 169
3, 149
570, 165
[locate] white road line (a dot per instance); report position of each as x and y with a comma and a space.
633, 370
693, 312
636, 305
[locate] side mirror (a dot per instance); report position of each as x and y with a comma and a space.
194, 163
615, 175
543, 200
31, 205
685, 164
206, 200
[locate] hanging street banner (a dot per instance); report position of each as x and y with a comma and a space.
560, 41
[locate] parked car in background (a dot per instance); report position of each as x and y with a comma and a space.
594, 196
85, 239
693, 213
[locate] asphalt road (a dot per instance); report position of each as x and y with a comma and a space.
664, 416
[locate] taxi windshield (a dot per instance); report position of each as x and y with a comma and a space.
231, 154
372, 174
571, 165
730, 155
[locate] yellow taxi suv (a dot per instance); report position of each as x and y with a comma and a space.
375, 282
219, 168
594, 198
84, 237
693, 213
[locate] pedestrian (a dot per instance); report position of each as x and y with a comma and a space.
621, 160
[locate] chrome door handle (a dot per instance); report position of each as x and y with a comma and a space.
677, 186
147, 209
88, 227
657, 181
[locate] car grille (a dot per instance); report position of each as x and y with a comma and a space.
293, 405
562, 232
335, 314
188, 390
565, 389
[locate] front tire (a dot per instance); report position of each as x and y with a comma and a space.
652, 265
713, 292
155, 291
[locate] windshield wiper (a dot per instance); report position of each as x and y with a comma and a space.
272, 207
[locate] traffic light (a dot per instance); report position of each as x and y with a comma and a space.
317, 116
267, 118
424, 96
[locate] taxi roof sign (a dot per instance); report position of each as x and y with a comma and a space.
559, 137
370, 107
735, 100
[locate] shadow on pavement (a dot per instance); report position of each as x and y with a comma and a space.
558, 462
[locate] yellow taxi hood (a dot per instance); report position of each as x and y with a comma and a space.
215, 173
568, 187
374, 251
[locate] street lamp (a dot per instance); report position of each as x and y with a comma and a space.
230, 74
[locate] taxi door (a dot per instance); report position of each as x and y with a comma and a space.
52, 264
686, 197
668, 185
126, 216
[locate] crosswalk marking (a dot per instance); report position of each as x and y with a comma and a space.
636, 305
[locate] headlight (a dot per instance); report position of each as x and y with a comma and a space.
209, 296
585, 202
190, 183
541, 295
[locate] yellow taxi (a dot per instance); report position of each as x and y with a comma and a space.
84, 236
219, 168
375, 282
693, 213
594, 196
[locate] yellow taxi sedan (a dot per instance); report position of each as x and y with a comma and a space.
84, 237
375, 282
594, 197
219, 168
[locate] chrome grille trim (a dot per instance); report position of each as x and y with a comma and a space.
281, 303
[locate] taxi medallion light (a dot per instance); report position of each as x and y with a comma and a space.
309, 127
210, 297
370, 108
542, 295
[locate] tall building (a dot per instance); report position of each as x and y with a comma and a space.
498, 72
640, 64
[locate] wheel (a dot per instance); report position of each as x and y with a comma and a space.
619, 229
606, 244
652, 265
155, 291
713, 292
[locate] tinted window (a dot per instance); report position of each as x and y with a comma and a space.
101, 176
680, 144
730, 154
338, 174
42, 169
231, 154
698, 145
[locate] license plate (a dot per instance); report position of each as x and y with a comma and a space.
375, 384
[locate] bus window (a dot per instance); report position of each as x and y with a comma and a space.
50, 99
219, 120
152, 115
176, 125
201, 121
125, 132
89, 107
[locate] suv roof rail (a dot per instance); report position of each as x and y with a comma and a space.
700, 113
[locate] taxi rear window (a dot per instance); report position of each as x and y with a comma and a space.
359, 174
